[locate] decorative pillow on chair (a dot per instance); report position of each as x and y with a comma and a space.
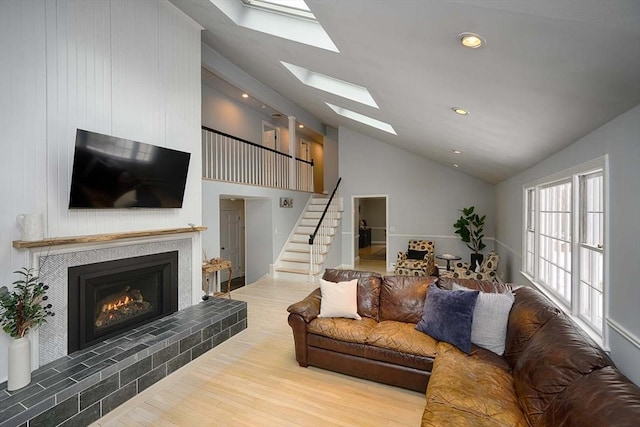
490, 318
448, 315
413, 254
339, 299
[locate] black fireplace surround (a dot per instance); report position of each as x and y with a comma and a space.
108, 298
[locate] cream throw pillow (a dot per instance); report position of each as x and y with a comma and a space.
339, 299
490, 318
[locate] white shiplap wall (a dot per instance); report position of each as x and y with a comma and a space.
120, 67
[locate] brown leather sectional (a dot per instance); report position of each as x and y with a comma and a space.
552, 373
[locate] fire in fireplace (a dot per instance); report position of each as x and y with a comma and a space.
120, 307
108, 298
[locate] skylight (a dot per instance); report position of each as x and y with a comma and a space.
332, 85
369, 121
290, 7
288, 19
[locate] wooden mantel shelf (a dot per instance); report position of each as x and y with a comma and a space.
70, 240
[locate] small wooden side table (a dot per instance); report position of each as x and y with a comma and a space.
215, 266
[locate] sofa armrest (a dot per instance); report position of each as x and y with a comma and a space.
402, 256
299, 328
308, 308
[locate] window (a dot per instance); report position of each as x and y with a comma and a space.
563, 241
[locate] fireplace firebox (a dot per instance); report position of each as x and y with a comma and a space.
108, 298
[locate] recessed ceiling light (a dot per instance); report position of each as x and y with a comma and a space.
455, 165
301, 126
263, 106
471, 40
244, 95
456, 151
460, 111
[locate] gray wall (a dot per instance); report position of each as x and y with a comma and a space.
221, 113
620, 140
259, 236
424, 196
331, 160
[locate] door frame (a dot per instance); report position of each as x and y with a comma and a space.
356, 221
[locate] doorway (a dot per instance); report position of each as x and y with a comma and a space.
370, 233
232, 237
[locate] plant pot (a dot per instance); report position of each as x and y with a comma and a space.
476, 258
19, 367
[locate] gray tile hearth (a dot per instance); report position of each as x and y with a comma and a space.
82, 387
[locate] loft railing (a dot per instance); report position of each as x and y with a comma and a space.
304, 175
231, 159
321, 236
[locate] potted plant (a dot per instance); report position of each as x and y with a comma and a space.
22, 309
470, 227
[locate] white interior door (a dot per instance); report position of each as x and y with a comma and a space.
231, 239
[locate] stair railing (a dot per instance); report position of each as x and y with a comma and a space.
321, 235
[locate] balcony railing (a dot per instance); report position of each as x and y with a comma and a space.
231, 159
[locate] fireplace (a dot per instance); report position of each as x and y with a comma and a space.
108, 298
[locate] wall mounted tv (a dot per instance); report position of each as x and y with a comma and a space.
110, 172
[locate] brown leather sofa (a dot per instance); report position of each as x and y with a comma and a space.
552, 373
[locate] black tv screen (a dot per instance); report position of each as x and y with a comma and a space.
110, 172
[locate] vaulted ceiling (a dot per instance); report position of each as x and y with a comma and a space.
551, 72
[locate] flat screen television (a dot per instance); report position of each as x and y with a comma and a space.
110, 172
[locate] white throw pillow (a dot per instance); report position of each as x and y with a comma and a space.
490, 318
339, 299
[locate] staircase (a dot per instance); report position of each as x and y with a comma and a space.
293, 262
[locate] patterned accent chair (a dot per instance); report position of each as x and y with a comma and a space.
418, 260
488, 269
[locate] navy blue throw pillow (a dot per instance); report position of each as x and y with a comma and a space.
413, 254
448, 315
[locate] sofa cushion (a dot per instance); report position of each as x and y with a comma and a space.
339, 299
530, 311
473, 391
448, 316
558, 354
490, 318
402, 297
342, 329
402, 337
368, 288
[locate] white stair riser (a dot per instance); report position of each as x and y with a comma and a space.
299, 256
304, 265
313, 222
317, 214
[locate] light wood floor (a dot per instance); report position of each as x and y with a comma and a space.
254, 380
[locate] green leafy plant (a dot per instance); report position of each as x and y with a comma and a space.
25, 307
470, 227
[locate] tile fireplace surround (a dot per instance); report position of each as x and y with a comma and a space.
77, 389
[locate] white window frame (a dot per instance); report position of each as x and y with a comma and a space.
571, 308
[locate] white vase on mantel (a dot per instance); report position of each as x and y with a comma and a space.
19, 374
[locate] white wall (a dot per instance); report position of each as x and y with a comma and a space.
424, 196
124, 68
620, 140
